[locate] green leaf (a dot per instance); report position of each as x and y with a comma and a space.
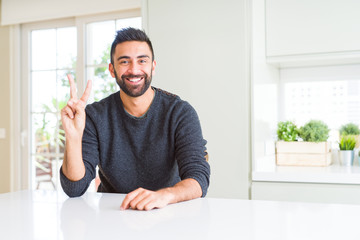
347, 142
314, 131
349, 129
287, 131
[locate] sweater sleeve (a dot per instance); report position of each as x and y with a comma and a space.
190, 148
90, 154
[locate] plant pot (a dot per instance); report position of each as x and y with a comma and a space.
357, 137
346, 157
303, 153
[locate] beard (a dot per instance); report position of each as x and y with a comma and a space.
133, 91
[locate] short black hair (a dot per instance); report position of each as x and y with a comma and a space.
130, 34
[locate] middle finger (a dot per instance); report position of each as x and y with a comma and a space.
72, 87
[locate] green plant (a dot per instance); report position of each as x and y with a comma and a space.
349, 129
287, 131
347, 143
106, 85
314, 131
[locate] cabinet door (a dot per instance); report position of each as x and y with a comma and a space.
306, 192
296, 27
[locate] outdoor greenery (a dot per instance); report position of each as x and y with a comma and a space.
347, 142
46, 138
349, 129
107, 84
287, 131
314, 131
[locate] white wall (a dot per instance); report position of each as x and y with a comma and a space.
265, 92
5, 108
202, 54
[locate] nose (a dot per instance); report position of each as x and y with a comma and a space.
134, 68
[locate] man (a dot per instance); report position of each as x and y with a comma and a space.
146, 142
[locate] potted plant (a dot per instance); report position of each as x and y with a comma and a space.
314, 150
287, 131
347, 145
351, 129
314, 131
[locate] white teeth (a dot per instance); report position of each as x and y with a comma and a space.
134, 79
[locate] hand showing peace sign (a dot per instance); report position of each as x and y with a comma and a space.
73, 114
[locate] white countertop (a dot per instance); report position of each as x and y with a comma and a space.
265, 169
51, 215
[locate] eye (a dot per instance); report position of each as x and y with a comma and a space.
124, 62
142, 61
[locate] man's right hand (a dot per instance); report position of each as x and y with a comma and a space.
73, 114
73, 120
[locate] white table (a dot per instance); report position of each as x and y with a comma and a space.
52, 215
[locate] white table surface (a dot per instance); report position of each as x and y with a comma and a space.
52, 215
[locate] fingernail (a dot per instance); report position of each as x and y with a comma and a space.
70, 103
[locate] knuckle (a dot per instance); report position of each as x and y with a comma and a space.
133, 205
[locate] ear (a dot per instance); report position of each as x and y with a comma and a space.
111, 70
153, 67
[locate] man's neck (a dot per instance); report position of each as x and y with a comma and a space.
137, 106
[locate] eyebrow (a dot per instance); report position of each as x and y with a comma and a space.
143, 56
127, 57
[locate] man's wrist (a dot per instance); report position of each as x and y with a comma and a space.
170, 194
73, 139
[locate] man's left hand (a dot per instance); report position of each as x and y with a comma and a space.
143, 199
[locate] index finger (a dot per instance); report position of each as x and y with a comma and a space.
72, 87
86, 94
128, 198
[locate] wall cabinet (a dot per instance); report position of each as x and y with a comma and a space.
307, 30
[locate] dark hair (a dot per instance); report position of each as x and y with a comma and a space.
130, 34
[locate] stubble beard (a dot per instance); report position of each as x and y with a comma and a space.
136, 91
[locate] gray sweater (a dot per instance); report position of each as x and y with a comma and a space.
154, 151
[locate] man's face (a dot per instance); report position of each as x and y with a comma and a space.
133, 67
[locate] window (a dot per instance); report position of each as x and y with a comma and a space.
301, 94
53, 55
323, 93
79, 47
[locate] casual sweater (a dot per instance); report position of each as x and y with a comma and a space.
154, 151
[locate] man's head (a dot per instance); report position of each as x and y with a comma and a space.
130, 34
132, 61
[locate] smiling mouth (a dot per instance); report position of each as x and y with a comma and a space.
134, 80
